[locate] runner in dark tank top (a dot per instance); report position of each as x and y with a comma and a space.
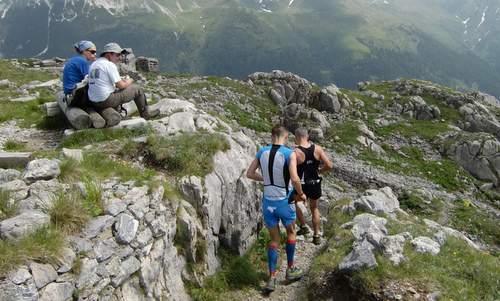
311, 162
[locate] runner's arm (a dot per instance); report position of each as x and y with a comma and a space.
252, 171
327, 163
294, 176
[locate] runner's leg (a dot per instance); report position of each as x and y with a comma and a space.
315, 216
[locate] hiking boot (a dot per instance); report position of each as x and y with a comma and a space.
150, 113
293, 273
303, 230
316, 240
271, 285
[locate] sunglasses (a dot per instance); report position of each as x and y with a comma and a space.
92, 51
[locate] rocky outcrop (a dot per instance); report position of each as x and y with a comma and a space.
300, 102
416, 107
478, 153
284, 87
475, 107
480, 119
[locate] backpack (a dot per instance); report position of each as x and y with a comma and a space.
79, 97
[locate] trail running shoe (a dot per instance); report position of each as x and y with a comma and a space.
316, 240
303, 230
293, 273
271, 285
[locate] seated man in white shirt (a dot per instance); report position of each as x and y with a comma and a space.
108, 90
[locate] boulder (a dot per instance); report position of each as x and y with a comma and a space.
393, 247
7, 175
75, 154
329, 99
17, 189
423, 244
480, 119
23, 224
417, 108
170, 106
378, 201
41, 169
181, 122
478, 153
360, 257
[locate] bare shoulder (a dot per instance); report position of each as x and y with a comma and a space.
318, 150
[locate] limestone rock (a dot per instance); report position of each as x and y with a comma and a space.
364, 224
57, 292
170, 106
66, 260
97, 225
12, 160
23, 224
181, 122
43, 274
75, 154
126, 228
104, 249
360, 257
17, 189
88, 276
393, 247
480, 119
425, 244
41, 169
19, 276
378, 201
329, 99
127, 268
7, 175
477, 153
25, 292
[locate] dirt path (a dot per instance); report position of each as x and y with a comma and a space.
304, 256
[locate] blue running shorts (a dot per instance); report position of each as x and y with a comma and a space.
274, 211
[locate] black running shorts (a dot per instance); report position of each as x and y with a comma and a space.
312, 192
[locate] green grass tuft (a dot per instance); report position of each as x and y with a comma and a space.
43, 245
68, 213
458, 272
476, 222
188, 154
236, 273
415, 204
91, 136
8, 208
99, 166
93, 202
12, 145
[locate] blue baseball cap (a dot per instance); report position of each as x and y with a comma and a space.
84, 45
